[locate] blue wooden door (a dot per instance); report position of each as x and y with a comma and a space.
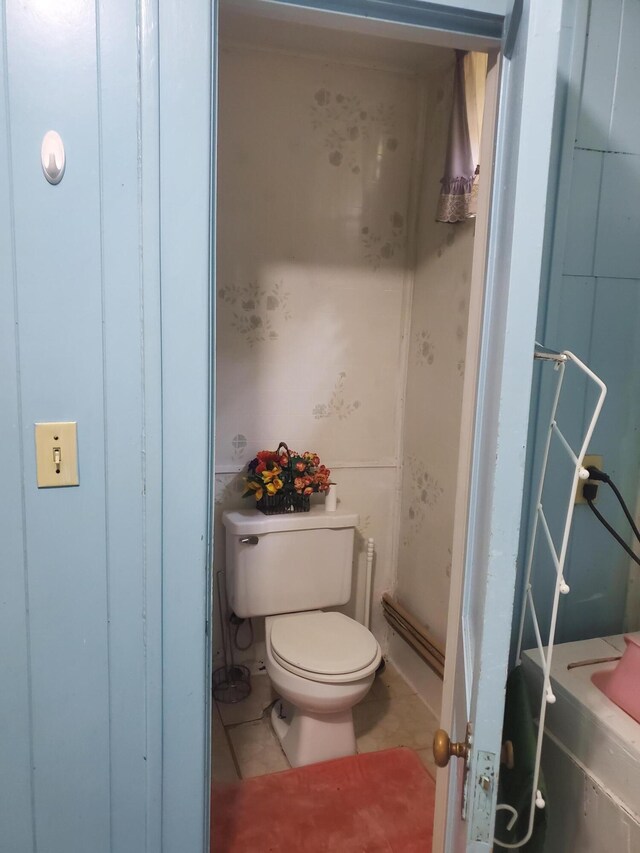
497, 394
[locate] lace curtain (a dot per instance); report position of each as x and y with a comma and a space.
459, 193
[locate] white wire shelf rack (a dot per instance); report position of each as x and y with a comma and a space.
559, 360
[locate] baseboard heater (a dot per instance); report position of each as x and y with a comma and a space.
415, 634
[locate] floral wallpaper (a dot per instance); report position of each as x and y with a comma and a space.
317, 178
434, 394
338, 404
258, 312
424, 494
343, 119
385, 244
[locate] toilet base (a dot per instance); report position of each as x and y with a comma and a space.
307, 738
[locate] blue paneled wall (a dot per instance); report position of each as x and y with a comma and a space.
593, 308
78, 689
104, 296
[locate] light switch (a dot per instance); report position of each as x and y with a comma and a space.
57, 454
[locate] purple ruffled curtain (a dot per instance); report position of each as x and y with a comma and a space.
459, 193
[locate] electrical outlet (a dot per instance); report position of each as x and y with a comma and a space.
588, 460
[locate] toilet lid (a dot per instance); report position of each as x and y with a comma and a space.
324, 643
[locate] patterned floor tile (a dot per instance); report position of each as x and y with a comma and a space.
391, 715
223, 768
256, 748
388, 684
402, 721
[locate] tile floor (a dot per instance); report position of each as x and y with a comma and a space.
390, 715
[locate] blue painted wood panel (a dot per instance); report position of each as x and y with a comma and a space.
16, 790
617, 250
59, 315
126, 422
599, 80
481, 17
599, 567
597, 316
615, 354
624, 134
583, 213
570, 319
186, 107
83, 716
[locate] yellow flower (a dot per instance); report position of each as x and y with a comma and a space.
268, 476
274, 486
257, 488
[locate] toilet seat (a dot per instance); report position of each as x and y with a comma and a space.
325, 647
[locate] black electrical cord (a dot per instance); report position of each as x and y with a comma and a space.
613, 532
626, 509
597, 474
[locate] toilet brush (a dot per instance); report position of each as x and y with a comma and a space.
231, 682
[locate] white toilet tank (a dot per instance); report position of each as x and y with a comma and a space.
288, 563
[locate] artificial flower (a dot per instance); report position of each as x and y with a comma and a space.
268, 476
256, 488
273, 472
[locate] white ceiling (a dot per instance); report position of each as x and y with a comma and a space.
238, 25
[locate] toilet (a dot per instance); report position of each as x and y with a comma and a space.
287, 568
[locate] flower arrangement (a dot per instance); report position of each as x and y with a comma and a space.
282, 480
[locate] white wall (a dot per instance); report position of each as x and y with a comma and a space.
329, 177
435, 374
316, 175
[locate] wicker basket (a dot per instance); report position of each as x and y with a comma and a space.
287, 499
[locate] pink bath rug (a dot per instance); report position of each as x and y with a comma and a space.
379, 802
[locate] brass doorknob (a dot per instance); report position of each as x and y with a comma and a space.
443, 749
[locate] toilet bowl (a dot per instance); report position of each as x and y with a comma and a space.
288, 568
321, 664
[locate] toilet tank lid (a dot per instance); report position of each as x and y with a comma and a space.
253, 522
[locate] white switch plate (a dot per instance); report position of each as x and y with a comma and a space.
56, 454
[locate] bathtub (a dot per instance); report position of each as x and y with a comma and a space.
591, 754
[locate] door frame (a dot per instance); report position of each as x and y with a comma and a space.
178, 63
512, 319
